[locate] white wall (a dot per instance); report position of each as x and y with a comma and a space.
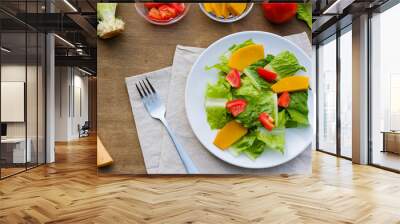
33, 127
16, 73
70, 83
80, 109
62, 81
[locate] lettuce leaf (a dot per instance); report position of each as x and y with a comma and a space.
216, 97
281, 119
269, 58
221, 89
243, 144
255, 150
285, 64
262, 62
298, 101
257, 81
297, 119
304, 12
236, 47
249, 145
222, 66
274, 139
217, 117
247, 89
251, 72
297, 112
265, 102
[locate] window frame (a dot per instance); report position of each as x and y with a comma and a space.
31, 30
381, 9
334, 37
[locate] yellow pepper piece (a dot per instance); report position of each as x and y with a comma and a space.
290, 84
225, 11
208, 7
229, 134
217, 9
237, 8
246, 56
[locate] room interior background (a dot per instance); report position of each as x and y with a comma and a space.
48, 79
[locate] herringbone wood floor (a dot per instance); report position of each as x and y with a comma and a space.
70, 191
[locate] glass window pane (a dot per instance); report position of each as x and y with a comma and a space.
327, 96
385, 84
13, 86
346, 93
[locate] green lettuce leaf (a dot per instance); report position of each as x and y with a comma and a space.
247, 90
285, 64
297, 112
222, 66
257, 81
236, 47
249, 145
221, 89
265, 102
243, 144
251, 72
298, 101
216, 97
255, 150
281, 119
269, 58
297, 119
217, 117
304, 12
274, 139
262, 62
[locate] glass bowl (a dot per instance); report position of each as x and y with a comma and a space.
143, 13
230, 19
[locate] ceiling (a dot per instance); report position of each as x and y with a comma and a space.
332, 15
22, 21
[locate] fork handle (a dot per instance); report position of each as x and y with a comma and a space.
187, 162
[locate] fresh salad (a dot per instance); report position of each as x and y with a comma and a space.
255, 99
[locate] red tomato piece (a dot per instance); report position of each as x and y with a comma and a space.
179, 7
150, 5
154, 14
267, 121
269, 76
167, 12
235, 107
284, 100
233, 78
279, 12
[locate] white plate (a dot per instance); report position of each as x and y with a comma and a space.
297, 139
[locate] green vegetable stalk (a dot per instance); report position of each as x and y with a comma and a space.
109, 26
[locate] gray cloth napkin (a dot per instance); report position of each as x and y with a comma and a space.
159, 152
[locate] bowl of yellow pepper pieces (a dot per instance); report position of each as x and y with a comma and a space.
226, 12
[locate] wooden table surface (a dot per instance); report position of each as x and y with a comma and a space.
144, 47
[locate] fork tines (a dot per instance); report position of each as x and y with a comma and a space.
145, 89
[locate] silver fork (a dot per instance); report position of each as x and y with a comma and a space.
156, 109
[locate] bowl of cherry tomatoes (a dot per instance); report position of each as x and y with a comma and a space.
162, 13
